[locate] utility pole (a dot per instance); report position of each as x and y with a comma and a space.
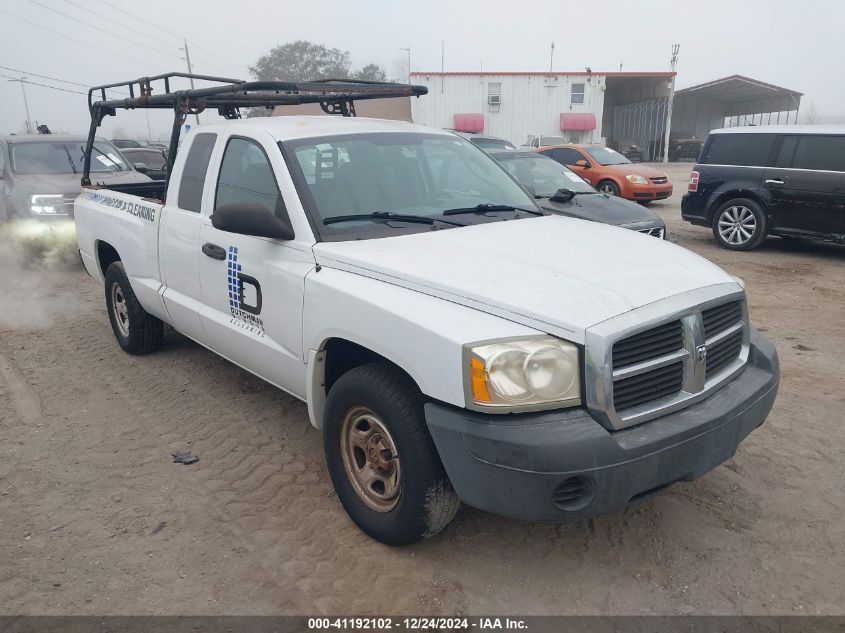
22, 81
408, 50
673, 64
190, 72
552, 58
442, 64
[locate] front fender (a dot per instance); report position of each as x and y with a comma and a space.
422, 334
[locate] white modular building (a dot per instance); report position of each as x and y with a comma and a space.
618, 109
583, 107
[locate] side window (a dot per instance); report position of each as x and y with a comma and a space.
246, 177
566, 156
820, 152
786, 151
748, 150
193, 175
577, 94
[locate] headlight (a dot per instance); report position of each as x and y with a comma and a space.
535, 371
48, 204
637, 179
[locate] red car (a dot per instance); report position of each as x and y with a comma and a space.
610, 172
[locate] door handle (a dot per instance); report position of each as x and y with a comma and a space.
214, 251
776, 182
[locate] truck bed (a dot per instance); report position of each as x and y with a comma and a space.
153, 190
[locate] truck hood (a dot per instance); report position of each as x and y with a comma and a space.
602, 208
555, 274
69, 184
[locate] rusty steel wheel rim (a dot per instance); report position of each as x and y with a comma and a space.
370, 459
120, 309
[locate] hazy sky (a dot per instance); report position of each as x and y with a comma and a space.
786, 42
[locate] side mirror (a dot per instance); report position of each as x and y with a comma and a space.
563, 195
582, 163
249, 218
141, 167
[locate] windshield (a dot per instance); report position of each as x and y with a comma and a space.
545, 141
606, 156
64, 157
422, 175
544, 176
492, 143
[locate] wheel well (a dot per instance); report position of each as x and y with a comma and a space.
719, 200
106, 256
343, 355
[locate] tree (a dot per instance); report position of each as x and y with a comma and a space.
301, 61
304, 61
370, 72
811, 116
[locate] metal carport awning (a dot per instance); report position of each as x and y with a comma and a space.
743, 95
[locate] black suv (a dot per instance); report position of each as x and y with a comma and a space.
751, 182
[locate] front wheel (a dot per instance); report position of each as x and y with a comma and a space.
136, 331
609, 187
381, 459
740, 225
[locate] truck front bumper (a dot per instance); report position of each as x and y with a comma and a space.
563, 465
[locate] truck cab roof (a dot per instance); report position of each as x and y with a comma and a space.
285, 128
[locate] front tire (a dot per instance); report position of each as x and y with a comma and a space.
740, 225
137, 331
382, 461
609, 187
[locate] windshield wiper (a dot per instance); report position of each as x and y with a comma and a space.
484, 208
388, 215
70, 160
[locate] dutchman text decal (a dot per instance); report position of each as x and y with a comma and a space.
244, 296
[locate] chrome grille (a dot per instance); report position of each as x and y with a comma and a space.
648, 386
652, 343
673, 363
655, 232
718, 318
659, 180
723, 353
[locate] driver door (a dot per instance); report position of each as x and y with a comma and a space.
252, 287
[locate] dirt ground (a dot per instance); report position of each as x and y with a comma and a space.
95, 519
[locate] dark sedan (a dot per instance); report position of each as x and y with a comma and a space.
148, 160
562, 191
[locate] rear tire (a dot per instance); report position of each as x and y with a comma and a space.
740, 224
137, 331
609, 187
381, 459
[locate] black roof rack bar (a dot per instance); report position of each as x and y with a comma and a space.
335, 96
271, 92
145, 87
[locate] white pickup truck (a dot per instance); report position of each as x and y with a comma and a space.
452, 342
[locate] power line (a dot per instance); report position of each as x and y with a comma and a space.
97, 28
121, 24
34, 83
64, 81
78, 41
161, 28
26, 72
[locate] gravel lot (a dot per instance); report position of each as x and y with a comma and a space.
95, 519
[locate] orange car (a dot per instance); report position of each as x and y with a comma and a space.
610, 172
